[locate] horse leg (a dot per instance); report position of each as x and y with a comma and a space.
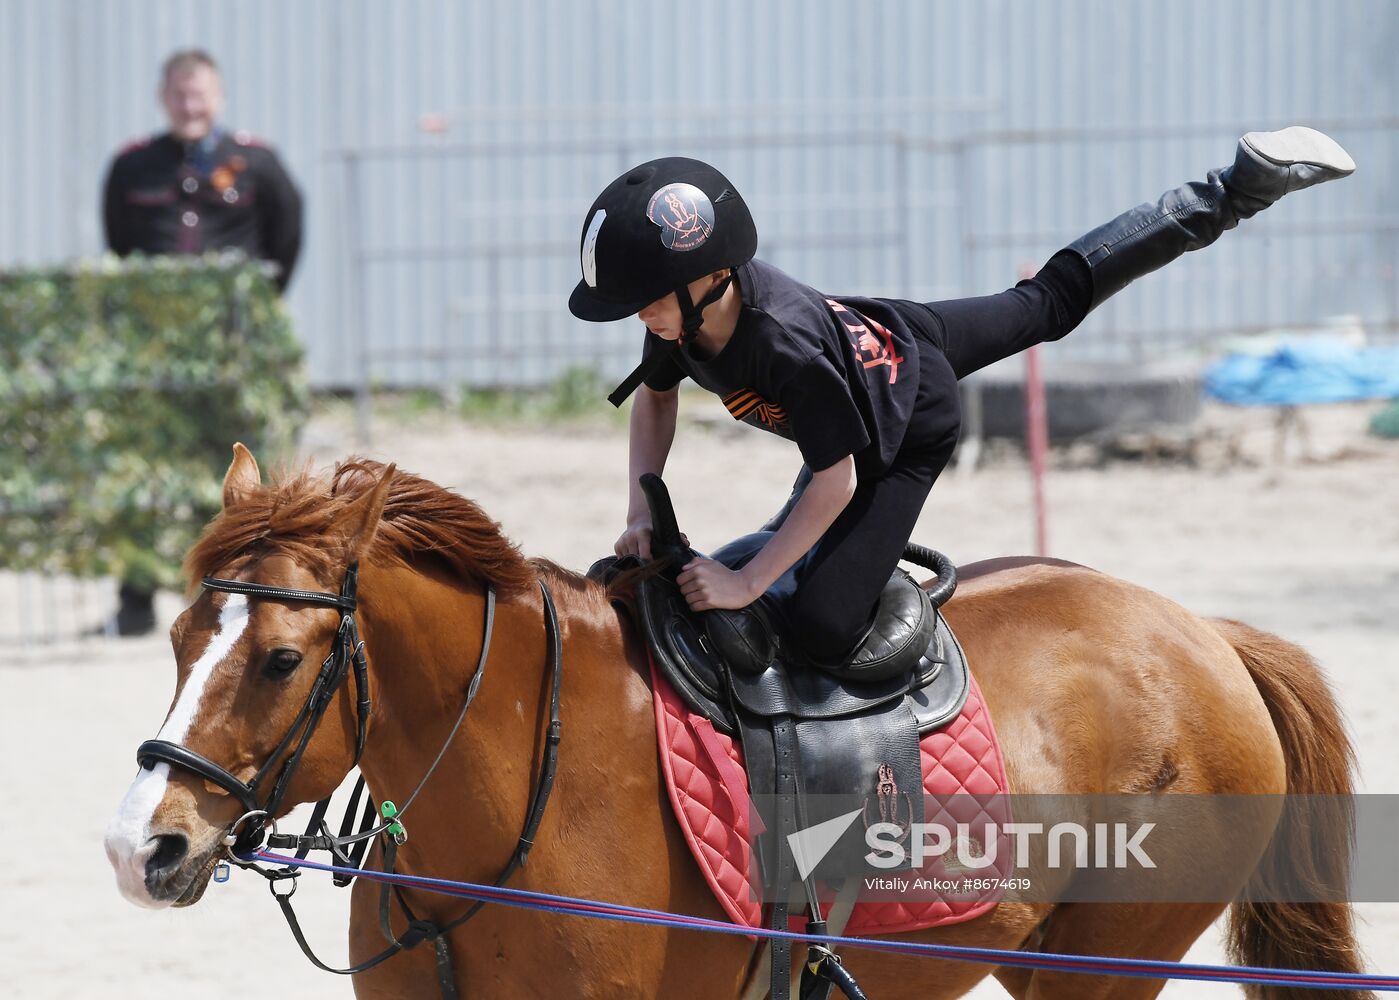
1160, 932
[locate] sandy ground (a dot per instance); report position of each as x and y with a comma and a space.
1306, 548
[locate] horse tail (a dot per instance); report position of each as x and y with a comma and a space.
1312, 852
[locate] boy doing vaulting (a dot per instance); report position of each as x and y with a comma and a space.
865, 387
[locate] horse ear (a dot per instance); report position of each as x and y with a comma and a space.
241, 478
361, 520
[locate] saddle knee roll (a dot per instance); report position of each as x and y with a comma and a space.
903, 628
742, 638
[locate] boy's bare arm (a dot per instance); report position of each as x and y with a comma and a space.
816, 510
652, 432
707, 584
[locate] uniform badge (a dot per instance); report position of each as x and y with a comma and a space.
685, 215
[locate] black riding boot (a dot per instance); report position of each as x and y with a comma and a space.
1267, 165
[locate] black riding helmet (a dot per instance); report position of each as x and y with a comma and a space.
655, 229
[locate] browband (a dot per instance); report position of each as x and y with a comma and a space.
343, 601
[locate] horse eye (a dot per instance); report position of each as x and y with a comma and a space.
281, 662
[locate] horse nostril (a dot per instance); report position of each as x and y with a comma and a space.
169, 852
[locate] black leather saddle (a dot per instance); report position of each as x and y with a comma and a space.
818, 739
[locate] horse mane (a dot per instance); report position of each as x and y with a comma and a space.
298, 515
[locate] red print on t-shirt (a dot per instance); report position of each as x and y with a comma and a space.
873, 343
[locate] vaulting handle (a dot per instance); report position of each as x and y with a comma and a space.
666, 541
939, 564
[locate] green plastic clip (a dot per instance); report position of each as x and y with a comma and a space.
388, 810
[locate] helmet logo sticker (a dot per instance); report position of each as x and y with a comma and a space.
684, 214
590, 248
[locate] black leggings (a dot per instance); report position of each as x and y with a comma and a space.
839, 583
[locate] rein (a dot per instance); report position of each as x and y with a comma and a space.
347, 651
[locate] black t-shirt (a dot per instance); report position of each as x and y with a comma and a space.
837, 376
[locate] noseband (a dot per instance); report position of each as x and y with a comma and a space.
346, 650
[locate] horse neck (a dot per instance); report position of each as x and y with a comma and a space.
603, 834
423, 632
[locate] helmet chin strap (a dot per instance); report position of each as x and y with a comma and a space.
691, 312
692, 318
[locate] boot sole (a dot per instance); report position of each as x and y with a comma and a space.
1299, 144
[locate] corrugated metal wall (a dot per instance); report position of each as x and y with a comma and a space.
452, 254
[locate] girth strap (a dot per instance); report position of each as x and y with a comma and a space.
784, 745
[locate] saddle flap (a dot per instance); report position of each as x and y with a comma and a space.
939, 699
871, 761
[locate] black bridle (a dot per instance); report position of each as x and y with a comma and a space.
348, 651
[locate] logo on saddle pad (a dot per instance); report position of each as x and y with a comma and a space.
889, 801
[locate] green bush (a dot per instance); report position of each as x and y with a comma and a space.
123, 385
575, 394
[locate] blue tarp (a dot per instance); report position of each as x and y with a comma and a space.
1311, 371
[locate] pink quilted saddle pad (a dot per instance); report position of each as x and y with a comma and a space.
962, 769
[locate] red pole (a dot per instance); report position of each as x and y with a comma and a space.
1036, 435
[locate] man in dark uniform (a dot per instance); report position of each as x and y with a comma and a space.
197, 188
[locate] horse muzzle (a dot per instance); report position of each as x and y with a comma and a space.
158, 859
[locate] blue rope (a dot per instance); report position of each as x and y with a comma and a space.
1085, 964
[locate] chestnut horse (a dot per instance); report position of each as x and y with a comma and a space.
1095, 685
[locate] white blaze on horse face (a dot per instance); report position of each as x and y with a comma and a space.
233, 620
130, 839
